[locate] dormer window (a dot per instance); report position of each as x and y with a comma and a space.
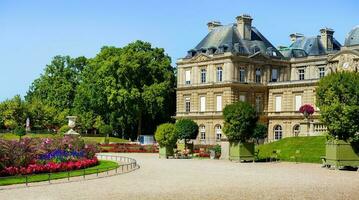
212, 50
255, 49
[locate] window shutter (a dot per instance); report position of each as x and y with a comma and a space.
188, 75
298, 102
278, 104
203, 104
219, 103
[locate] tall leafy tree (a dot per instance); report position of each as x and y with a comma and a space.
56, 87
128, 87
13, 112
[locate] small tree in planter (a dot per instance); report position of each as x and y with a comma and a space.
338, 101
239, 122
106, 130
187, 129
260, 132
166, 136
307, 110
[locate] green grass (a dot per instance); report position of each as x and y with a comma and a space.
104, 165
102, 140
311, 149
11, 136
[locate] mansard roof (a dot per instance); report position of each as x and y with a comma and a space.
353, 37
308, 46
227, 39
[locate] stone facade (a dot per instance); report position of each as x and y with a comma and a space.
226, 67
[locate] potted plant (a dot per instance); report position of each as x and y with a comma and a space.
215, 151
239, 122
306, 110
187, 129
337, 99
166, 136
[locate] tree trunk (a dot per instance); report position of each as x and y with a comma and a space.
139, 127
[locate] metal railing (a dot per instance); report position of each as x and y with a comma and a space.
125, 165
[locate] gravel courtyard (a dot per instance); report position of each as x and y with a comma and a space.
204, 179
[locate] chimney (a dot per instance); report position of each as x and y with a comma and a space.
212, 25
326, 36
295, 36
244, 26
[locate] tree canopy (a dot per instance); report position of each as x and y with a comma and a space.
166, 135
128, 88
338, 101
240, 120
187, 129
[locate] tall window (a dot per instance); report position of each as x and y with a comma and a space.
219, 74
219, 103
203, 104
301, 73
278, 133
188, 77
298, 102
258, 104
203, 75
296, 130
258, 75
278, 103
274, 75
218, 130
202, 130
242, 97
242, 75
321, 72
187, 104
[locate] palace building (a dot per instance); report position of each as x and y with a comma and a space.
236, 62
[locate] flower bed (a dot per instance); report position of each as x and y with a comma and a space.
129, 148
35, 155
49, 167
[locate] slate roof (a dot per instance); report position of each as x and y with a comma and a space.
353, 37
227, 39
308, 46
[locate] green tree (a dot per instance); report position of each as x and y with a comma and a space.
13, 112
166, 135
106, 130
260, 132
338, 101
187, 129
56, 87
41, 116
129, 84
86, 121
240, 120
98, 123
20, 131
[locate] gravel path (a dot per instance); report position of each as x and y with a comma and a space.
204, 179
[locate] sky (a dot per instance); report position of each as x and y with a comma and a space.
33, 32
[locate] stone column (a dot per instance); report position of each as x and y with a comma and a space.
224, 149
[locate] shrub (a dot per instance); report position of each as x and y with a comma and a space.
260, 132
240, 119
187, 129
166, 135
20, 131
64, 129
105, 130
338, 101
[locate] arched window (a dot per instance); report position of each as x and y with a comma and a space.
218, 131
278, 132
296, 130
202, 131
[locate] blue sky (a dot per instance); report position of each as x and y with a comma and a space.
32, 32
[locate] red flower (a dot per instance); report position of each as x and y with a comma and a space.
306, 109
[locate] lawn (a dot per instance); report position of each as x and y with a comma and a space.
11, 136
311, 149
104, 165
